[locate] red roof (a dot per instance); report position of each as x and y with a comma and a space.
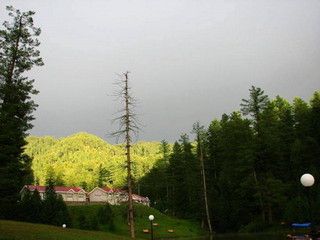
106, 189
56, 188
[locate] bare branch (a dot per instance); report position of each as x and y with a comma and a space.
128, 126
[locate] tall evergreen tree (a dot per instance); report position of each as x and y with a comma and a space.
54, 210
235, 196
254, 107
103, 176
18, 54
315, 116
256, 103
192, 179
178, 189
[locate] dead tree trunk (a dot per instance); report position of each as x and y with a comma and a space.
128, 146
128, 126
205, 188
198, 130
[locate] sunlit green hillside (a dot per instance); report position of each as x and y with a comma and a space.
79, 159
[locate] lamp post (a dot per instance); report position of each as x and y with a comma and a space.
151, 218
307, 180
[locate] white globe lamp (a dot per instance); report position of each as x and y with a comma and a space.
307, 180
64, 225
151, 217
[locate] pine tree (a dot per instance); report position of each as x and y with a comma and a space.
315, 115
18, 54
178, 189
103, 176
254, 106
54, 209
192, 179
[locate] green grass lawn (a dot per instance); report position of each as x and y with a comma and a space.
11, 230
181, 228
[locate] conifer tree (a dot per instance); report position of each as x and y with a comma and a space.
178, 200
18, 54
254, 106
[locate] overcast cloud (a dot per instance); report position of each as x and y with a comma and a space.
189, 60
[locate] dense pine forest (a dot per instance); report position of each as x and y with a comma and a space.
253, 159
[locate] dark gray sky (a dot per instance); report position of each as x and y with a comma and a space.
189, 60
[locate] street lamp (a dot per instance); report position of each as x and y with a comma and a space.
151, 218
307, 180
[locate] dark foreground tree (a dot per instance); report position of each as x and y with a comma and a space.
254, 106
54, 210
18, 54
30, 207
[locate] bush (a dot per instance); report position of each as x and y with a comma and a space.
30, 207
105, 216
54, 209
82, 222
254, 227
297, 210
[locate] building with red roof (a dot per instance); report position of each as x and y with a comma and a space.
69, 194
114, 196
77, 195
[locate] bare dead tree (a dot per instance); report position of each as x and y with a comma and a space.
128, 126
200, 132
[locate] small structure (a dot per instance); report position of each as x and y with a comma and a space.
139, 199
69, 194
113, 196
300, 231
106, 195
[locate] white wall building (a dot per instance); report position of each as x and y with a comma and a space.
76, 195
69, 194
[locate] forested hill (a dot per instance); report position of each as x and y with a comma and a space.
86, 160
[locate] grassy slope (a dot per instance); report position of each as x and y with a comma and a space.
11, 230
182, 228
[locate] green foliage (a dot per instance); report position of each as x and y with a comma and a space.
28, 231
182, 228
255, 104
54, 210
30, 207
86, 160
103, 176
18, 54
105, 216
252, 167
